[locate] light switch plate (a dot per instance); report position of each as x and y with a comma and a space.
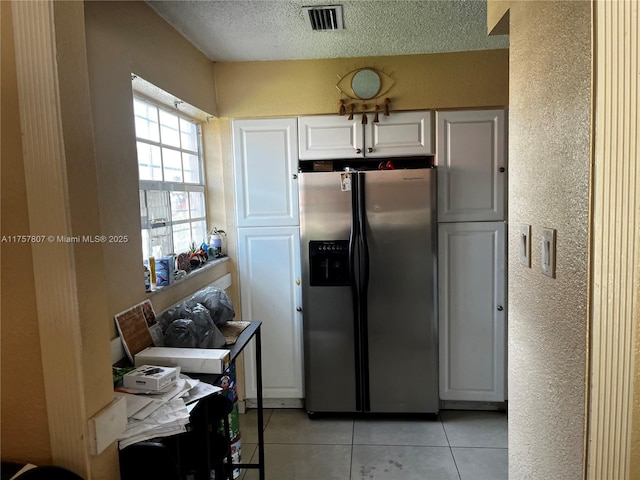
549, 252
525, 245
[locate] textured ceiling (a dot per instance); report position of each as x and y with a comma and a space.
239, 30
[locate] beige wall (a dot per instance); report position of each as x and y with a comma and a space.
549, 175
304, 87
125, 38
25, 431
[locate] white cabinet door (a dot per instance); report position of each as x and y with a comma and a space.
327, 137
266, 168
269, 267
471, 160
399, 134
472, 311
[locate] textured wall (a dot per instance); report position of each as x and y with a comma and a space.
549, 167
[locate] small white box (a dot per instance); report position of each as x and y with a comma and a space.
150, 377
190, 360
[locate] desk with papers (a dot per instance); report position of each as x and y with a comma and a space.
182, 417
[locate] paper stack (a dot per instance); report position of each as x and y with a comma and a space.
162, 413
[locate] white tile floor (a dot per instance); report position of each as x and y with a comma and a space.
460, 445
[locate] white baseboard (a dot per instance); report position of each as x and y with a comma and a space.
117, 351
466, 405
275, 403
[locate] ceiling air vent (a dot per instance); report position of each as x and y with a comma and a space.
324, 17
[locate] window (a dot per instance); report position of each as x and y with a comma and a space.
172, 202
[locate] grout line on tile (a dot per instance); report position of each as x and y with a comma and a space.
487, 448
450, 449
353, 436
307, 444
402, 445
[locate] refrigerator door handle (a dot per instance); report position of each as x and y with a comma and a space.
354, 241
362, 240
363, 287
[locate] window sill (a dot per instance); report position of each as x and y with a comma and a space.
193, 273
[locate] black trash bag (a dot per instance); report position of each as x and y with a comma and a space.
217, 302
181, 333
194, 330
174, 313
208, 334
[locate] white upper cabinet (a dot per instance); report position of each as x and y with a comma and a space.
329, 136
266, 168
471, 165
400, 134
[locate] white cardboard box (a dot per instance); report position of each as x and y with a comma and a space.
150, 377
190, 360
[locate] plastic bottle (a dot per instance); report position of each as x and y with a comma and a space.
147, 279
152, 269
216, 242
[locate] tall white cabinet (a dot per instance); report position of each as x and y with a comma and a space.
266, 165
472, 177
471, 291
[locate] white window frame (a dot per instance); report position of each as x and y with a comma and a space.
148, 224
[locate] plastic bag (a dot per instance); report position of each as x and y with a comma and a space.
195, 330
194, 322
208, 334
217, 302
174, 313
181, 333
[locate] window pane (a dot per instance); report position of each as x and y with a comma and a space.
191, 169
168, 155
146, 116
179, 206
145, 244
172, 165
198, 232
149, 162
161, 241
144, 214
189, 135
181, 237
169, 129
197, 204
158, 207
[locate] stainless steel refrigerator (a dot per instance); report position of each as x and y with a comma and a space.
368, 286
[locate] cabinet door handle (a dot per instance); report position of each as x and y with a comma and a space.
295, 176
370, 150
298, 309
500, 308
358, 150
501, 169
